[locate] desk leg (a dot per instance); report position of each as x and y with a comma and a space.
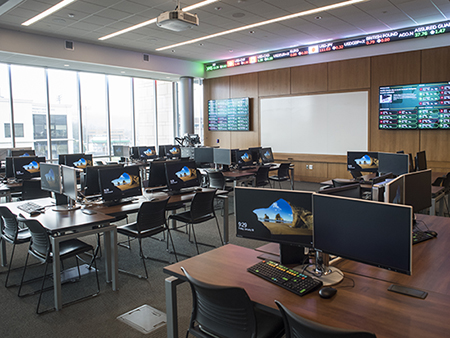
225, 218
56, 273
111, 258
292, 179
171, 306
2, 252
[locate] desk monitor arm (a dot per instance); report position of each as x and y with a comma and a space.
329, 275
64, 203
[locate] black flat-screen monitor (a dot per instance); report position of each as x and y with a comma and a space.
9, 167
279, 216
222, 156
157, 174
418, 189
369, 232
234, 156
421, 160
51, 177
27, 167
26, 151
266, 155
229, 114
147, 153
92, 186
204, 155
181, 175
69, 182
415, 106
394, 191
79, 161
397, 164
244, 157
366, 161
121, 151
172, 151
255, 153
118, 183
348, 190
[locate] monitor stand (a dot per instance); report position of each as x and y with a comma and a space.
64, 204
288, 254
329, 275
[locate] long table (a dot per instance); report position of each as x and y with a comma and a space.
362, 301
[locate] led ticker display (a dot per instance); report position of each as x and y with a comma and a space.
369, 40
229, 114
415, 106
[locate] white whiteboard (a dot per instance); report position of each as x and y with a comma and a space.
315, 124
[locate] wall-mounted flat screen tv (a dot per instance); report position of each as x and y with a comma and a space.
415, 106
229, 114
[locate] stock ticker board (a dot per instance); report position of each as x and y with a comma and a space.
369, 40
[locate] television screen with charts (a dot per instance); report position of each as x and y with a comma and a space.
369, 232
279, 216
51, 177
27, 167
118, 183
181, 175
415, 106
366, 161
229, 114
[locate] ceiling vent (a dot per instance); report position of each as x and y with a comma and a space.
69, 45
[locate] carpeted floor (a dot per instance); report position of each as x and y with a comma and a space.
96, 317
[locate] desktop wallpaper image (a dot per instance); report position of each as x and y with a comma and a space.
126, 182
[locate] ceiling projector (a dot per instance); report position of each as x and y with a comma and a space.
177, 20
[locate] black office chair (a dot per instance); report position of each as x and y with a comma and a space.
216, 180
11, 233
282, 175
338, 183
444, 182
31, 189
150, 221
40, 248
262, 177
201, 210
298, 327
228, 312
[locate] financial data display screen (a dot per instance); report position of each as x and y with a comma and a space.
423, 31
229, 114
415, 106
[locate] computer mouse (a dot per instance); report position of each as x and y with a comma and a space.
327, 292
35, 213
432, 233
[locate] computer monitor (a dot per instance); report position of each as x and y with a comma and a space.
173, 151
397, 164
234, 156
222, 156
92, 186
69, 182
417, 187
203, 155
9, 167
366, 161
369, 232
278, 216
51, 177
79, 161
421, 161
157, 174
348, 190
244, 157
147, 153
181, 175
255, 154
27, 167
119, 183
266, 155
26, 151
121, 151
394, 191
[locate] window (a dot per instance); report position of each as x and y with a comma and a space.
5, 106
18, 130
144, 97
164, 99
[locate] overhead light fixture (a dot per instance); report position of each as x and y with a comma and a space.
267, 22
148, 22
49, 11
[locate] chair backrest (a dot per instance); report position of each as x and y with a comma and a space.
9, 224
446, 183
262, 176
338, 183
152, 214
40, 241
31, 189
216, 180
221, 311
283, 170
202, 204
298, 327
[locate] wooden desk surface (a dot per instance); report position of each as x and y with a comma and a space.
367, 305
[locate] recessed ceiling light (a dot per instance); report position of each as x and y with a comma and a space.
71, 15
318, 18
252, 32
66, 65
173, 50
217, 8
200, 44
238, 15
49, 11
231, 51
267, 22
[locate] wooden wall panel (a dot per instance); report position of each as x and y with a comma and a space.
349, 74
392, 69
309, 79
274, 82
336, 170
218, 88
